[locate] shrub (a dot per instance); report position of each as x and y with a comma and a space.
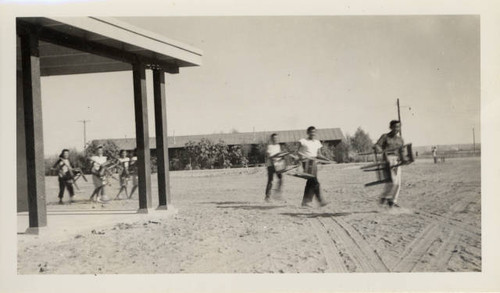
341, 152
361, 141
206, 154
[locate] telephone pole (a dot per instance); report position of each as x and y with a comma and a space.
399, 118
84, 133
473, 141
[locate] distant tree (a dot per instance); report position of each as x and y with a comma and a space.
222, 156
361, 141
256, 153
234, 130
76, 158
111, 150
328, 151
206, 154
291, 147
236, 156
341, 152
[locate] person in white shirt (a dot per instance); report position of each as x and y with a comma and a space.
434, 154
124, 174
98, 178
273, 150
310, 149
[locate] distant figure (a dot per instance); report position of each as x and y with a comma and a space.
416, 154
133, 173
273, 149
98, 161
310, 149
65, 177
124, 174
434, 154
389, 144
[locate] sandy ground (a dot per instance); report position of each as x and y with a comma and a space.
224, 226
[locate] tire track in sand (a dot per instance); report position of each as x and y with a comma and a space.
417, 248
364, 257
432, 234
445, 252
453, 224
331, 253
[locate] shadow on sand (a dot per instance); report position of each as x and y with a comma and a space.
252, 207
324, 215
226, 202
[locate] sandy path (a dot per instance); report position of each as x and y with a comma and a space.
224, 226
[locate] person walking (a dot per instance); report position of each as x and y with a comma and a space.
389, 144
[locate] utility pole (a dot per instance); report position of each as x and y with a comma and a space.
473, 141
399, 118
84, 133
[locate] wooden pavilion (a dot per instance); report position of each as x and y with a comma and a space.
75, 45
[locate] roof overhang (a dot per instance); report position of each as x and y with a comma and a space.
72, 45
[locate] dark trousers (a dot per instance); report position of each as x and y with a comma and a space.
64, 183
270, 176
312, 188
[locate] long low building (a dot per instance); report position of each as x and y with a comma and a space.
328, 135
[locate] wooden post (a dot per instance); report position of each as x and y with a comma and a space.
161, 138
33, 130
142, 137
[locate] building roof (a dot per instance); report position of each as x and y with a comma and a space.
327, 134
72, 45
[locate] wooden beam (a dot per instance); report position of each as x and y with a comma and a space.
86, 68
142, 136
74, 59
33, 129
161, 138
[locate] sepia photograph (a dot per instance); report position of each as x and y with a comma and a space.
246, 137
248, 145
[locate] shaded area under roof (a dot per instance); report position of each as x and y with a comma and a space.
244, 138
73, 45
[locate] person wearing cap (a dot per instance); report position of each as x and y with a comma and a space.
389, 144
310, 149
98, 161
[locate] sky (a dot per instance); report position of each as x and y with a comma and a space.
290, 72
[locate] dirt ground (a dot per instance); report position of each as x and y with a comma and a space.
223, 225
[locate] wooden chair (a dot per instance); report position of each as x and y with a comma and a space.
382, 168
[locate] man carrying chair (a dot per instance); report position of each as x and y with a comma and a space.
389, 144
309, 153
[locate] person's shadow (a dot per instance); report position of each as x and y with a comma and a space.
324, 215
251, 207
